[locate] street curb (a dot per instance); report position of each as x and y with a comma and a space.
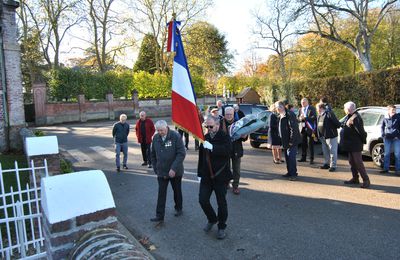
135, 242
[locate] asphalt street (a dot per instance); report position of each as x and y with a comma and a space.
316, 217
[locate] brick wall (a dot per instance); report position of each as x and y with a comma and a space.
12, 57
83, 110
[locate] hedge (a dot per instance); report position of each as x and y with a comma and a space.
67, 84
379, 88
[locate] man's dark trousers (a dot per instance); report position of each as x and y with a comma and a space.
307, 142
146, 152
176, 184
206, 189
290, 156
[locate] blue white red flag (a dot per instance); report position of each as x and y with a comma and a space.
184, 110
172, 34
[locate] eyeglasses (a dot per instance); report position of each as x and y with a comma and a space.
210, 126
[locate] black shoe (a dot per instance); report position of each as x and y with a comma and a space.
208, 227
325, 167
157, 219
365, 184
292, 178
221, 234
384, 171
302, 160
125, 167
144, 164
352, 181
311, 161
178, 213
118, 169
286, 175
332, 169
149, 166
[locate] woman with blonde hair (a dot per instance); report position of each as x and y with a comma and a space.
274, 141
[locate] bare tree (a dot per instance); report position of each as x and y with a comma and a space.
105, 24
52, 19
152, 17
275, 30
325, 13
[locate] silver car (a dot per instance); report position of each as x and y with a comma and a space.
373, 117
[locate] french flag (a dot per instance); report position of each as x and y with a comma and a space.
172, 34
184, 109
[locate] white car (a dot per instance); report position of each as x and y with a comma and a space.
373, 117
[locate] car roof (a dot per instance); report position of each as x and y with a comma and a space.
378, 108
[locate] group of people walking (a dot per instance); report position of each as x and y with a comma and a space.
219, 160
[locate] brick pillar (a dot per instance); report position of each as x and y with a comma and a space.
40, 100
39, 148
13, 75
87, 204
82, 108
135, 99
110, 100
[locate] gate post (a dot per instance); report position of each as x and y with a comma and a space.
74, 204
40, 100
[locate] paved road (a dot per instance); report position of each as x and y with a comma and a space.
316, 217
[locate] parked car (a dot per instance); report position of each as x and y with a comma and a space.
373, 117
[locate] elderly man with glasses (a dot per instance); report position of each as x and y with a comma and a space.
214, 171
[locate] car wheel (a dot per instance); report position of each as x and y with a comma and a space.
377, 154
254, 144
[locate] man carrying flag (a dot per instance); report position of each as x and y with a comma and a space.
213, 153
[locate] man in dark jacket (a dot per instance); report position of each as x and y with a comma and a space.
167, 155
391, 136
144, 133
354, 136
307, 118
120, 134
327, 125
237, 148
213, 169
290, 137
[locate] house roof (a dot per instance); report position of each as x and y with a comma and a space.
244, 92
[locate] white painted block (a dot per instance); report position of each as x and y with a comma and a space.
41, 145
75, 194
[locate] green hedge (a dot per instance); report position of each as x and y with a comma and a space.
365, 89
67, 84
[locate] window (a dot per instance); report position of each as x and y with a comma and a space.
370, 118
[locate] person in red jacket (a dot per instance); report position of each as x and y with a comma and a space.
144, 133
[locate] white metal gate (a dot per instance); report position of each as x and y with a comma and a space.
20, 215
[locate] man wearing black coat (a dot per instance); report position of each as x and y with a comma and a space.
352, 141
307, 118
237, 148
290, 137
328, 135
213, 169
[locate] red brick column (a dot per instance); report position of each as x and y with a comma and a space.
82, 108
110, 100
40, 100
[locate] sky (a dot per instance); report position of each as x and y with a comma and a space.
233, 18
